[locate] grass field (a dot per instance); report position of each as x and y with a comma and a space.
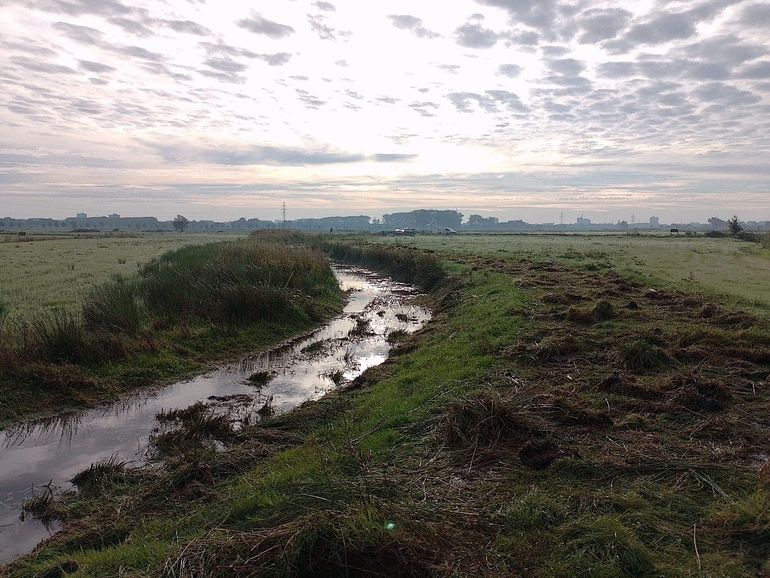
550, 421
736, 270
50, 272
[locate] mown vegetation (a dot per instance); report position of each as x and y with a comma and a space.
549, 422
728, 269
181, 311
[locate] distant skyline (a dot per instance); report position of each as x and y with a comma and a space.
515, 109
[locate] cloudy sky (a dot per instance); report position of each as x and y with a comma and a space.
516, 108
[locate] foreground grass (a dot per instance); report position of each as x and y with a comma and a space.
540, 426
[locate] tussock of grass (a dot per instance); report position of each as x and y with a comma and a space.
190, 428
101, 475
484, 420
641, 356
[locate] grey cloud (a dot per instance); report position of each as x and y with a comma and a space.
325, 6
756, 15
476, 36
425, 109
663, 28
277, 59
413, 24
393, 157
387, 99
727, 49
324, 31
82, 34
759, 70
132, 26
38, 66
309, 100
523, 38
222, 48
188, 27
719, 92
27, 45
509, 70
489, 101
453, 68
602, 24
107, 8
617, 69
256, 156
541, 14
225, 65
568, 66
138, 52
94, 66
260, 25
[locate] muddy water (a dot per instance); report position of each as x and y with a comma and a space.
52, 452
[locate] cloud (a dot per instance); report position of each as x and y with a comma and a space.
759, 70
451, 68
393, 157
259, 25
476, 36
662, 28
541, 14
413, 24
489, 101
256, 155
756, 16
35, 65
95, 66
426, 109
276, 59
188, 27
567, 66
601, 24
225, 65
81, 34
509, 70
325, 6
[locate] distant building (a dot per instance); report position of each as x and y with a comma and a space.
654, 222
81, 216
114, 216
582, 221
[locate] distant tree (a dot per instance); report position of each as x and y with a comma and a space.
180, 223
734, 225
717, 224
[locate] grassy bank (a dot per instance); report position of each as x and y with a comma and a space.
182, 311
548, 422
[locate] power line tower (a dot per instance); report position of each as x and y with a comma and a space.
283, 214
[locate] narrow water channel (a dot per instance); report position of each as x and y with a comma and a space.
51, 452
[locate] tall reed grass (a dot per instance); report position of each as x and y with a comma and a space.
232, 283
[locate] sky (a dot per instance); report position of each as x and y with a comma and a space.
514, 108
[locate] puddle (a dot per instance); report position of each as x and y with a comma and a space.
53, 451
